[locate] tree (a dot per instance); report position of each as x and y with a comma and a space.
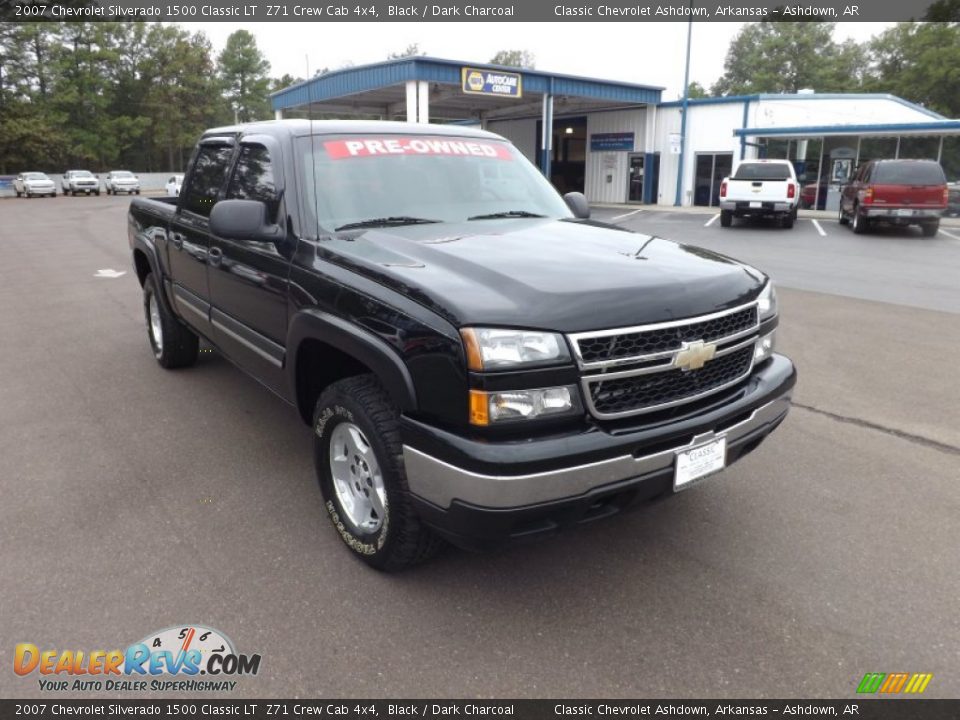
515, 58
784, 57
410, 51
696, 90
244, 73
918, 62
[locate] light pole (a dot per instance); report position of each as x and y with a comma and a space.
683, 115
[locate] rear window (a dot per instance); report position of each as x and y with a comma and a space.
908, 173
762, 171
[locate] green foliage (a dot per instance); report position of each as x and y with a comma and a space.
244, 74
515, 58
784, 57
696, 90
410, 51
919, 62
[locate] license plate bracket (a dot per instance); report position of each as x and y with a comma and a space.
699, 462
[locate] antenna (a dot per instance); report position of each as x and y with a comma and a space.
313, 148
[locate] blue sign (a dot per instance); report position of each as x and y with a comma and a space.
491, 82
6, 180
611, 141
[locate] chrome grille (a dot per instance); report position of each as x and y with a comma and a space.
636, 370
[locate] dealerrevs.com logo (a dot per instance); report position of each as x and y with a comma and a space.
181, 658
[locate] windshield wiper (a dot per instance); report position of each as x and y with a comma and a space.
384, 221
507, 214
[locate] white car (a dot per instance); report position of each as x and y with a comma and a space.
34, 183
80, 181
121, 181
173, 185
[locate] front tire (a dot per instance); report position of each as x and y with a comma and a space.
174, 345
358, 458
726, 218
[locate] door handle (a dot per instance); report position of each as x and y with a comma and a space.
215, 255
177, 240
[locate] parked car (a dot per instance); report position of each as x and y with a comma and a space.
809, 196
121, 181
898, 192
34, 183
80, 181
479, 367
173, 185
760, 189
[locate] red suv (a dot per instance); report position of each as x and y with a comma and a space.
901, 192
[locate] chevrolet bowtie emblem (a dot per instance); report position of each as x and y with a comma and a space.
694, 355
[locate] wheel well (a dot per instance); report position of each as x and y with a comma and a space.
318, 366
142, 265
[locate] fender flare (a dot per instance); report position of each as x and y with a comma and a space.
156, 269
357, 342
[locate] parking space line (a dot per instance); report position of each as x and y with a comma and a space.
709, 222
625, 215
817, 226
949, 234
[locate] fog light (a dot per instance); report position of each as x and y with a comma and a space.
765, 347
488, 408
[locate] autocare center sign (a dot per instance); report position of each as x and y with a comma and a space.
491, 82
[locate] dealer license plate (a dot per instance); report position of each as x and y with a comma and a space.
696, 463
905, 212
756, 204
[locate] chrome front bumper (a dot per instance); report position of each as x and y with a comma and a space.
441, 483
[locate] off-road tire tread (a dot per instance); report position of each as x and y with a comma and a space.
181, 346
411, 542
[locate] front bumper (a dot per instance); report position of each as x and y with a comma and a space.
902, 214
48, 190
484, 494
125, 188
744, 206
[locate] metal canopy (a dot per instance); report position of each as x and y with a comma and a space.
935, 128
380, 90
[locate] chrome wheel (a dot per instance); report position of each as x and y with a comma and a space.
156, 328
357, 479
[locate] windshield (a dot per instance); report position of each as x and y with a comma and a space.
122, 174
35, 176
393, 180
762, 171
82, 173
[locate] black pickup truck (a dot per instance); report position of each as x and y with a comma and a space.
479, 361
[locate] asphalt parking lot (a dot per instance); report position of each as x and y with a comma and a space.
135, 499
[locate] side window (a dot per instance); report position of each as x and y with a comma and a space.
209, 172
253, 177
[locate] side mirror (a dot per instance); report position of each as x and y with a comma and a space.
578, 205
247, 220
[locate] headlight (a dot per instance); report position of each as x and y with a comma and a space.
487, 408
764, 347
767, 302
492, 349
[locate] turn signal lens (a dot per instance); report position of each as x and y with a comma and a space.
487, 408
868, 195
723, 189
791, 191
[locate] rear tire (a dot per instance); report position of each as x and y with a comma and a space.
726, 218
859, 223
358, 457
930, 228
787, 221
841, 218
174, 345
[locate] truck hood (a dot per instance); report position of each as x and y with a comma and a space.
561, 275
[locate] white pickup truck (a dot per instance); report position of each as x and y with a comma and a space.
760, 189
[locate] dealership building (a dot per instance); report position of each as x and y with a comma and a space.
621, 142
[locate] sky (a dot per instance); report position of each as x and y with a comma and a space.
644, 53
